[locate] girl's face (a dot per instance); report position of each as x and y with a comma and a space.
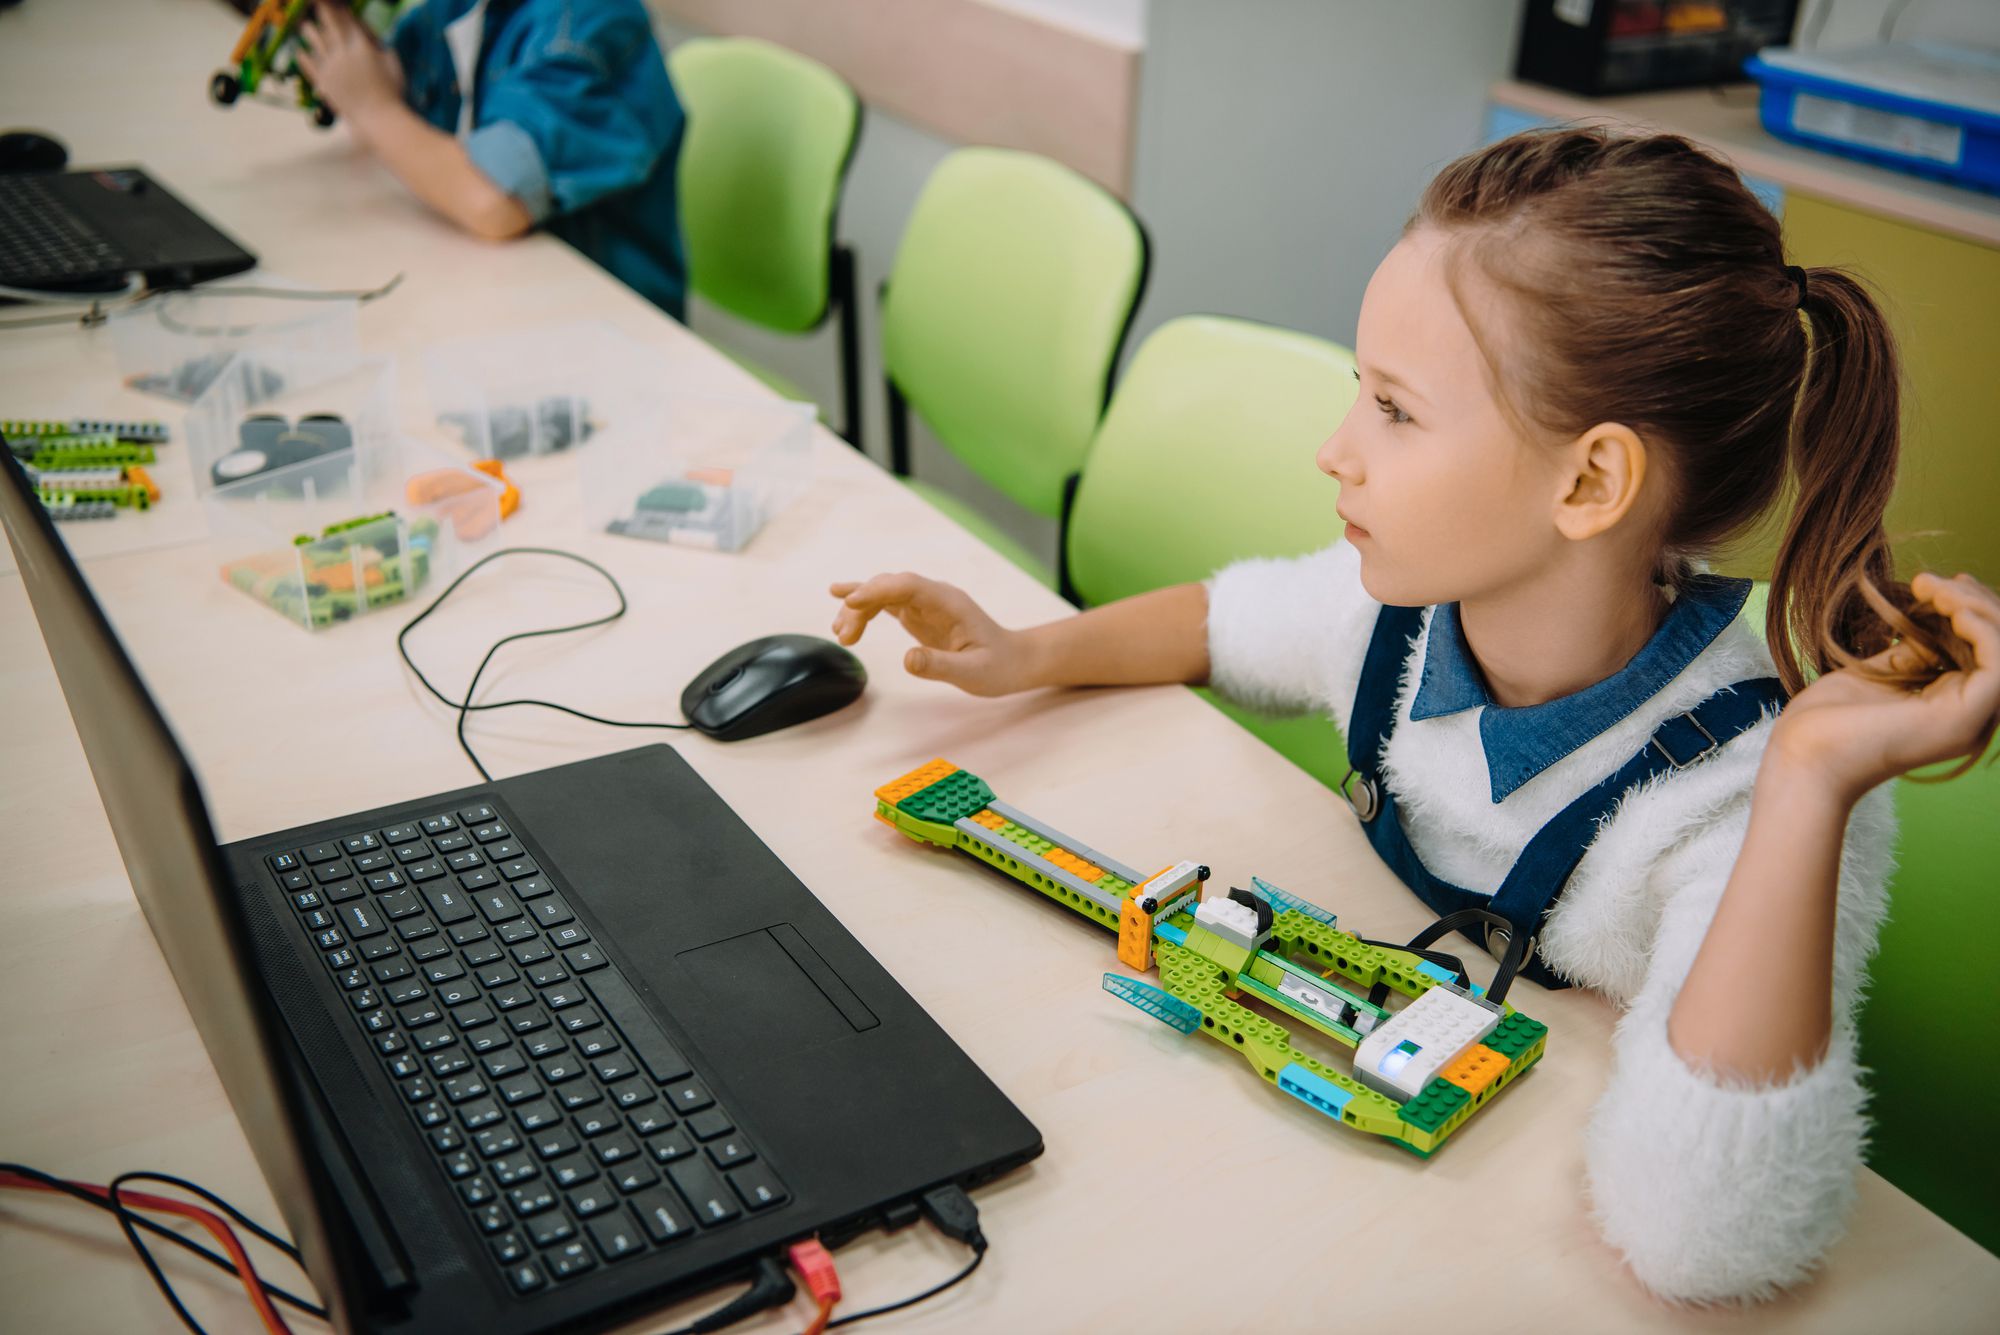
1444, 501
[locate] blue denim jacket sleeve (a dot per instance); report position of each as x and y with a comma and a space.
568, 113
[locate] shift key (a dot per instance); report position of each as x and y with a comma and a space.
663, 1061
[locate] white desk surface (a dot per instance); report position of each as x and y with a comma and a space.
1286, 1223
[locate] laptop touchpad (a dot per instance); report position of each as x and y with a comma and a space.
771, 988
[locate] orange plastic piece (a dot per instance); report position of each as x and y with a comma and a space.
991, 819
715, 477
1070, 862
1135, 934
510, 495
914, 782
462, 498
269, 13
1479, 1067
138, 477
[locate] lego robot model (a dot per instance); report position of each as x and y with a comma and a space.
1419, 1071
267, 49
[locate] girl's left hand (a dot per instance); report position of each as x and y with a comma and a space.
350, 70
1853, 733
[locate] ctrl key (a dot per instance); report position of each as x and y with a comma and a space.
572, 1258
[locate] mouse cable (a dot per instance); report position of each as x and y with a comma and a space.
953, 1214
769, 1287
97, 310
97, 306
465, 706
125, 1206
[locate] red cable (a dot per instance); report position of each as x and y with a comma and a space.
814, 1264
215, 1224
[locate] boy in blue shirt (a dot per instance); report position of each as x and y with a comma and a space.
505, 115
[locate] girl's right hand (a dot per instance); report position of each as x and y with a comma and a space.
956, 641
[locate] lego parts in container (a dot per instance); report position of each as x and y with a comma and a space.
349, 568
268, 442
1228, 962
699, 470
457, 495
538, 391
175, 344
87, 469
510, 431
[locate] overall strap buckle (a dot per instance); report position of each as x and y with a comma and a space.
1678, 762
1364, 797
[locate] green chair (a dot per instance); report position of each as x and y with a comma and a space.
1927, 1054
1205, 457
1002, 321
769, 137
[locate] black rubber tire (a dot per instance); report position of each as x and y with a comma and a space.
224, 88
323, 116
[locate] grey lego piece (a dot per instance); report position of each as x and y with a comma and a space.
1007, 848
1061, 840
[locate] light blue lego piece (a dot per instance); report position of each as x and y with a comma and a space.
1314, 1089
1157, 1002
1166, 931
1437, 971
1283, 899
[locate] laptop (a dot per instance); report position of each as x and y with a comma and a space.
86, 231
534, 1055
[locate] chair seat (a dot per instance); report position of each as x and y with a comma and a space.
984, 529
1314, 744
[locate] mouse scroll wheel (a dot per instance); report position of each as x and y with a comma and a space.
723, 681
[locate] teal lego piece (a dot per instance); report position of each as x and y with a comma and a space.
1284, 899
1157, 1002
1438, 1103
1314, 1090
949, 800
1437, 971
1515, 1035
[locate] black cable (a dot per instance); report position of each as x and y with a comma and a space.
124, 1218
953, 1214
465, 706
282, 1244
769, 1287
186, 1244
978, 1255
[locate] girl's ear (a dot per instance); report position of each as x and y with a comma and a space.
1603, 473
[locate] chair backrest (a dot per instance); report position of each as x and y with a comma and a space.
769, 136
1206, 456
1011, 293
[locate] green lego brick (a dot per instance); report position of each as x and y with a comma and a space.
1515, 1035
1435, 1106
1026, 838
952, 798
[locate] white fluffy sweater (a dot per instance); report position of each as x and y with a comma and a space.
1713, 1190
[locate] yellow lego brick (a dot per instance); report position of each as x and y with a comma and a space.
915, 781
1070, 862
991, 819
1479, 1067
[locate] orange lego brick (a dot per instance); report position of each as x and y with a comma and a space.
1474, 1071
991, 819
915, 781
1135, 935
1070, 862
137, 476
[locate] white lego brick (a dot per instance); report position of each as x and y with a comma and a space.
1406, 1051
1233, 922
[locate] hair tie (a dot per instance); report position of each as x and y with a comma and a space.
1798, 277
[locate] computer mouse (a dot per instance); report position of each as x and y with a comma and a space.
770, 684
28, 151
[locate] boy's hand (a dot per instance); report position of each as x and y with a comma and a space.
350, 70
958, 643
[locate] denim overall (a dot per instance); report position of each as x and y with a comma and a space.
1545, 865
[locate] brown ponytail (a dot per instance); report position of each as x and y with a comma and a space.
1644, 284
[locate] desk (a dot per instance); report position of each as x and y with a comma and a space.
106, 1073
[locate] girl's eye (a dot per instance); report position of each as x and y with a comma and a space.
1389, 409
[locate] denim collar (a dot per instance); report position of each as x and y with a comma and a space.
1521, 743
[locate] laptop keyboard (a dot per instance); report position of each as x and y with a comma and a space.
571, 1127
42, 242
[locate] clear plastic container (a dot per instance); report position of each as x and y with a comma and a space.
536, 391
317, 430
176, 344
703, 470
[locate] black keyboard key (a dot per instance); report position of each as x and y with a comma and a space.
590, 1200
634, 1175
504, 851
362, 920
443, 971
427, 870
456, 843
448, 902
558, 997
577, 1019
580, 1094
493, 1141
349, 979
340, 959
524, 1274
631, 1094
439, 824
583, 959
418, 1014
400, 904
329, 939
667, 1146
360, 843
545, 1044
459, 1165
730, 1151
308, 901
616, 1236
509, 1247
497, 975
365, 1000
465, 933
473, 1016
572, 1258
645, 1121
341, 891
430, 1040
485, 952
475, 1191
663, 1214
513, 997
710, 1123
449, 1062
512, 1169
376, 861
597, 1042
433, 1114
328, 872
662, 1060
489, 832
515, 868
532, 887
321, 853
408, 853
546, 1230
390, 970
295, 881
490, 1040
478, 815
492, 1219
698, 1184
615, 1149
478, 879
379, 881
548, 971
404, 1065
496, 904
532, 952
476, 1116
597, 1121
378, 1022
569, 934
380, 948
756, 1186
517, 931
462, 1087
518, 1089
615, 1067
318, 920
573, 1170
470, 860
423, 952
400, 834
500, 1065
550, 911
391, 1043
418, 1090
531, 1200
404, 992
283, 862
541, 1115
416, 929
689, 1096
554, 1142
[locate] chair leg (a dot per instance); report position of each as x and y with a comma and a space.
899, 430
842, 279
1063, 584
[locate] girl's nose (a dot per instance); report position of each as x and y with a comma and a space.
1336, 460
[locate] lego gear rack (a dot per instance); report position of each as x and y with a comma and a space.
1420, 1071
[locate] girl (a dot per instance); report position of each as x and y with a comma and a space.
1585, 367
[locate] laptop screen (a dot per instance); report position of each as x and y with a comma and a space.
163, 833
